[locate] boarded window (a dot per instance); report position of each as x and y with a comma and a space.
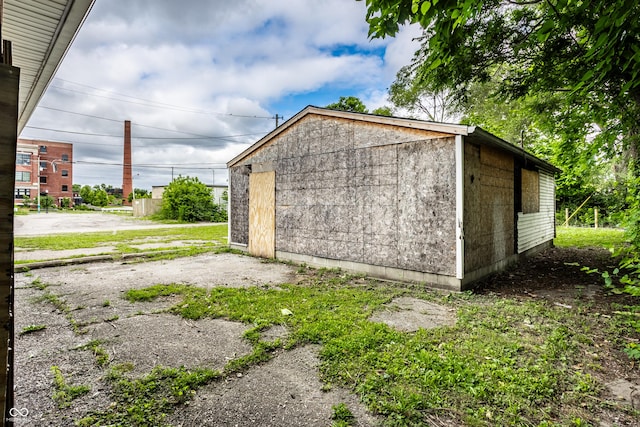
530, 191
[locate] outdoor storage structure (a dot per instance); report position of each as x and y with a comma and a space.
394, 198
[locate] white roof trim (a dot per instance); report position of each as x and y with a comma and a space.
448, 128
40, 32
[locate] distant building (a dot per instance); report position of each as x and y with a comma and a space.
45, 166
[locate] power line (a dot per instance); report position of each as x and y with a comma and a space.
183, 166
133, 123
144, 137
149, 103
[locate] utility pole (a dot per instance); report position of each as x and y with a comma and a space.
277, 118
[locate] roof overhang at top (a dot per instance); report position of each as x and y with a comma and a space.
474, 133
40, 32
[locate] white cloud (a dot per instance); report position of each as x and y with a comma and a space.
231, 61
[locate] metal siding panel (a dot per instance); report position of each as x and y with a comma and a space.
537, 228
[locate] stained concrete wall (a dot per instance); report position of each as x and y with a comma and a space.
359, 192
489, 211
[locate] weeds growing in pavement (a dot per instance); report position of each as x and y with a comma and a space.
503, 362
32, 328
146, 401
64, 393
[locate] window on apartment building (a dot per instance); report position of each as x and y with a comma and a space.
22, 193
65, 172
43, 148
22, 176
65, 157
43, 165
23, 159
43, 180
65, 188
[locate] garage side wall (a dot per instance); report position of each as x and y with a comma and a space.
489, 227
360, 192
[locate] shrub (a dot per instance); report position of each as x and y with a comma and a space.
187, 199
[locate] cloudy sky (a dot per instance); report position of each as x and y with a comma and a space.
201, 80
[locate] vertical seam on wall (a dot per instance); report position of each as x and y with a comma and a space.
459, 154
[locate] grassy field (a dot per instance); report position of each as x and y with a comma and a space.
184, 241
583, 237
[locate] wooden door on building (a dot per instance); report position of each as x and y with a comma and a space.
262, 214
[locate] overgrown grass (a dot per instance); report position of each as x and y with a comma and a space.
505, 362
146, 401
584, 237
217, 233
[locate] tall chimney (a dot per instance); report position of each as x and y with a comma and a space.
127, 178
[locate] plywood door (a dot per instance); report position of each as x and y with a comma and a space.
262, 214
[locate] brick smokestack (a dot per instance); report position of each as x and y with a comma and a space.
127, 178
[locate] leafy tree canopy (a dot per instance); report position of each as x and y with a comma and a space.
187, 199
590, 50
355, 105
349, 103
100, 198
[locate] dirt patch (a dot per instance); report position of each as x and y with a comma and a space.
410, 314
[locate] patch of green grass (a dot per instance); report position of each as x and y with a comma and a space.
64, 393
504, 362
39, 284
146, 401
32, 328
214, 233
342, 416
586, 237
106, 303
95, 346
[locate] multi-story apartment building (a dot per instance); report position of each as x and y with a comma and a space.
44, 166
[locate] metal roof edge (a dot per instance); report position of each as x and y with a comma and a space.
501, 143
75, 15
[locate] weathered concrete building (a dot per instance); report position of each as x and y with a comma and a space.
395, 198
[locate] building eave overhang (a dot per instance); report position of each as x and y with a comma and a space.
41, 33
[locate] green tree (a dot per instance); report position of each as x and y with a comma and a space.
410, 92
46, 202
591, 50
100, 198
187, 199
349, 103
76, 188
383, 111
87, 194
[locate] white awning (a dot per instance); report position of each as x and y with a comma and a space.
41, 32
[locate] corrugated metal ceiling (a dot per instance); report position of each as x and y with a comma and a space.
40, 31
